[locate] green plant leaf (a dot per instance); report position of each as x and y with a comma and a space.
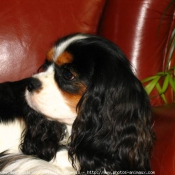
161, 73
172, 82
159, 89
150, 86
149, 78
165, 84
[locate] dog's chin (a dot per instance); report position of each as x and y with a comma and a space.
51, 109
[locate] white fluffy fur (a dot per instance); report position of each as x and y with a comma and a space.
11, 136
49, 100
31, 165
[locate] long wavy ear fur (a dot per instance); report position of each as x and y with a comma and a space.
41, 137
113, 128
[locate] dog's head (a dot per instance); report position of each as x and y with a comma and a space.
87, 81
56, 91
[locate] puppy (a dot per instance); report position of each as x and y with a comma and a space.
85, 104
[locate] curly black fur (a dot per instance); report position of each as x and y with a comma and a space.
113, 128
41, 136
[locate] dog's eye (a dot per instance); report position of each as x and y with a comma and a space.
68, 75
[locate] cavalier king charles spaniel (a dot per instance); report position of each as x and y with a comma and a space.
84, 111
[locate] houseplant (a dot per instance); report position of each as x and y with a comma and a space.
161, 81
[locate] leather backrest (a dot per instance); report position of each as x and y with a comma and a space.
142, 30
28, 28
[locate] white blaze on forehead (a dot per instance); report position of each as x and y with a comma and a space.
49, 100
63, 45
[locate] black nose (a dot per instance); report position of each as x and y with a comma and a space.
33, 84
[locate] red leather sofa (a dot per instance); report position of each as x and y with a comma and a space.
141, 28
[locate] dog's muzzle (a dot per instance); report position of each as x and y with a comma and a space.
33, 84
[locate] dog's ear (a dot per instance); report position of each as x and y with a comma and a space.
113, 128
41, 137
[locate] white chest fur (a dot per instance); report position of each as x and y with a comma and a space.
10, 136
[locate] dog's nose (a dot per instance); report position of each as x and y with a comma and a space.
33, 84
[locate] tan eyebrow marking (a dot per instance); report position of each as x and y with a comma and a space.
64, 58
50, 54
